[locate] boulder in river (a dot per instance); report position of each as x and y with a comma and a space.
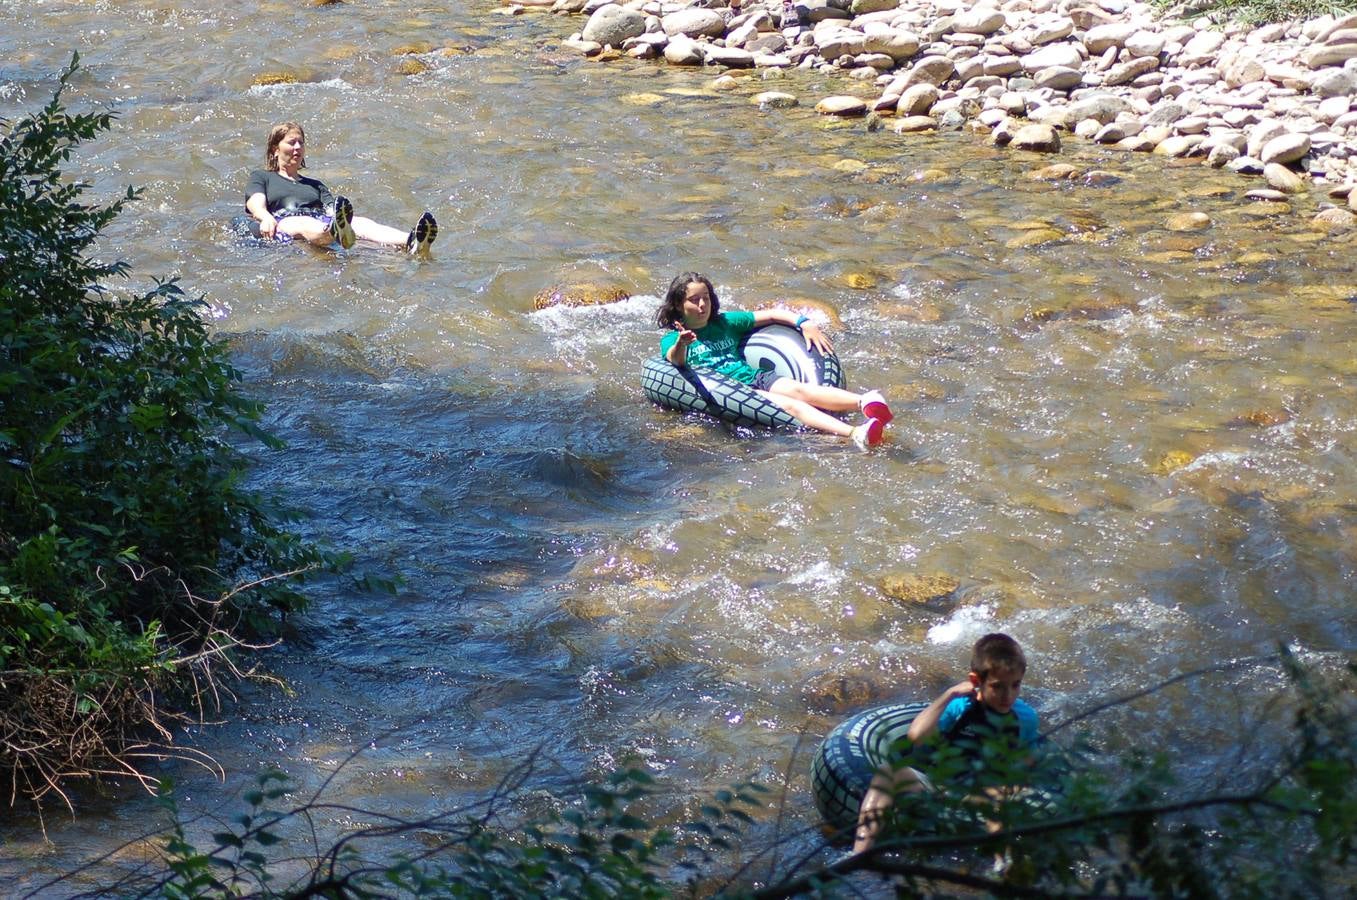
915, 588
613, 24
581, 294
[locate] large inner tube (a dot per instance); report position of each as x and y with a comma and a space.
850, 755
778, 348
246, 227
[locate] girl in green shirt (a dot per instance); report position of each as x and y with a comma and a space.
701, 335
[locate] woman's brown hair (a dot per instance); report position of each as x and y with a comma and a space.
276, 135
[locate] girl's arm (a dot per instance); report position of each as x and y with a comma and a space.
258, 207
926, 722
815, 336
678, 351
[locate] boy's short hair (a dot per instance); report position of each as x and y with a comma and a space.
997, 651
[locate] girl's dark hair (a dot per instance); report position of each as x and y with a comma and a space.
671, 311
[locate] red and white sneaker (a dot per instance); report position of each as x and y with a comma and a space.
873, 406
868, 434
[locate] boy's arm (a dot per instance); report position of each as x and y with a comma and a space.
926, 722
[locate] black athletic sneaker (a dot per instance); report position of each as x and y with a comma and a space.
341, 226
422, 235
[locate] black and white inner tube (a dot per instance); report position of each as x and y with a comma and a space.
778, 348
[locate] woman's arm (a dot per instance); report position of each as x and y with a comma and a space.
258, 207
811, 331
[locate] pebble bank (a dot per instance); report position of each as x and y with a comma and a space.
1277, 103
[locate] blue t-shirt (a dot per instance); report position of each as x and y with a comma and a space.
966, 722
718, 345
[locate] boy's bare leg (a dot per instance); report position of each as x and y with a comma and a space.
880, 796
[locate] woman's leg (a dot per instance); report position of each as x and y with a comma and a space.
306, 228
377, 233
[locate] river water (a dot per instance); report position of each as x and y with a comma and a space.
1128, 446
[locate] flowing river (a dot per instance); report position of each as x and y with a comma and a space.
1131, 447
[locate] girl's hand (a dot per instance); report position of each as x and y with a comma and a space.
268, 226
685, 335
816, 339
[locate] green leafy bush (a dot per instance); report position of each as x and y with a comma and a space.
1254, 12
1104, 825
125, 532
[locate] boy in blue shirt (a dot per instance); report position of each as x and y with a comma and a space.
965, 715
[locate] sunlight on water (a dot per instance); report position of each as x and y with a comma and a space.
1127, 447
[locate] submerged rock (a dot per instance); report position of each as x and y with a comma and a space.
584, 294
913, 588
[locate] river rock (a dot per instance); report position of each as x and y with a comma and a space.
1056, 172
1201, 49
913, 588
1282, 178
1038, 137
863, 7
1110, 133
1329, 55
613, 24
979, 20
1261, 133
684, 51
1333, 109
1334, 83
1137, 144
932, 70
898, 44
1240, 69
775, 100
1065, 55
1220, 155
1059, 78
1334, 220
731, 57
838, 694
582, 294
1179, 145
1285, 148
1049, 28
694, 22
1125, 73
914, 124
837, 42
1166, 113
1103, 107
917, 100
1190, 221
588, 48
844, 106
1247, 165
1145, 43
1101, 37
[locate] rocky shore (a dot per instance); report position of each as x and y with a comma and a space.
1277, 103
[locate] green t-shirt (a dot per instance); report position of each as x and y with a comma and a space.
718, 345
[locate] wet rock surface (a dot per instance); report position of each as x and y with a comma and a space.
1275, 103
